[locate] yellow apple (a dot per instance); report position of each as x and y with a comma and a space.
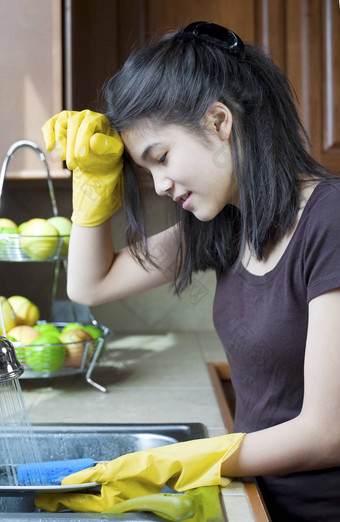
63, 225
26, 312
8, 315
74, 341
8, 223
39, 239
7, 242
24, 333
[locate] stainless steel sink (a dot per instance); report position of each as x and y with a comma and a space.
100, 442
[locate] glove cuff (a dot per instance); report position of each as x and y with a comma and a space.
95, 197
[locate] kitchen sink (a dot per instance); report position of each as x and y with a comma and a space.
99, 442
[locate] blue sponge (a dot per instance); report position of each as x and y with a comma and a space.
50, 473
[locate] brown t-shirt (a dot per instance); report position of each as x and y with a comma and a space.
262, 323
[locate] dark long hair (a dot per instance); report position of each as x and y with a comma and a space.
176, 80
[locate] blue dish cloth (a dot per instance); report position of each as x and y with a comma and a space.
50, 473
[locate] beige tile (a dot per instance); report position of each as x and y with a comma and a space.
238, 509
156, 372
236, 487
173, 344
159, 310
211, 347
217, 432
128, 405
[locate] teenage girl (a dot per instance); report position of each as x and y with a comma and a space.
212, 120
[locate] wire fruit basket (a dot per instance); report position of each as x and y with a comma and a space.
60, 359
18, 248
51, 359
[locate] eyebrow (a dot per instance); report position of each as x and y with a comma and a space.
147, 150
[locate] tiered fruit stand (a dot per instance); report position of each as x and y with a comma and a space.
12, 249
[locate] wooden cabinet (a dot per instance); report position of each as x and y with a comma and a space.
302, 36
31, 77
220, 378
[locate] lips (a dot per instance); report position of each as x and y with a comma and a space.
183, 197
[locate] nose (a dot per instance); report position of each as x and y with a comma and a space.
163, 185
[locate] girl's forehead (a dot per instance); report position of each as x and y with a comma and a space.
146, 132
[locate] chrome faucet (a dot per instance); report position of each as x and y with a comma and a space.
10, 153
10, 368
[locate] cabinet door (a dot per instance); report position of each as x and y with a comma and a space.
303, 37
31, 76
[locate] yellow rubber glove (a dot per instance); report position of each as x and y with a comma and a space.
93, 151
181, 466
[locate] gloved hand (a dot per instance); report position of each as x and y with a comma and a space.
180, 466
94, 152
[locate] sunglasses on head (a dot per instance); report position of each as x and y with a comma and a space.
217, 35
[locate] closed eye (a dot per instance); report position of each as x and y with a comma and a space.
162, 159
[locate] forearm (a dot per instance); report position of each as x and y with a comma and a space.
301, 444
91, 255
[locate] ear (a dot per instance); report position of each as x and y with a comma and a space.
219, 119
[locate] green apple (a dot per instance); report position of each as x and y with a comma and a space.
71, 326
21, 226
45, 353
8, 315
63, 225
39, 239
26, 312
95, 332
47, 328
24, 333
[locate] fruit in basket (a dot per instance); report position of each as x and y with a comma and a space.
75, 342
8, 315
24, 333
8, 224
21, 226
63, 225
7, 227
39, 239
25, 311
45, 353
95, 332
47, 328
71, 326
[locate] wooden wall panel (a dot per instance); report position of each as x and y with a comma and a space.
165, 15
270, 29
31, 82
331, 84
302, 37
91, 50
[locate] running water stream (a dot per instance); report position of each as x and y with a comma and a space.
18, 444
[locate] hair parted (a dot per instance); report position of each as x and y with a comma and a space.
176, 80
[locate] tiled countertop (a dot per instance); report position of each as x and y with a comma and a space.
156, 378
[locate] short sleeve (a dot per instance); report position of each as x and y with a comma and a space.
322, 244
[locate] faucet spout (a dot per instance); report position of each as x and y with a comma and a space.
10, 368
10, 153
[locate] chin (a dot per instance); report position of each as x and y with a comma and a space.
205, 216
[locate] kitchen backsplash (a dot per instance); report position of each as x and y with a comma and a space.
155, 310
159, 310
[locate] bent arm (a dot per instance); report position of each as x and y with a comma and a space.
96, 274
311, 440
